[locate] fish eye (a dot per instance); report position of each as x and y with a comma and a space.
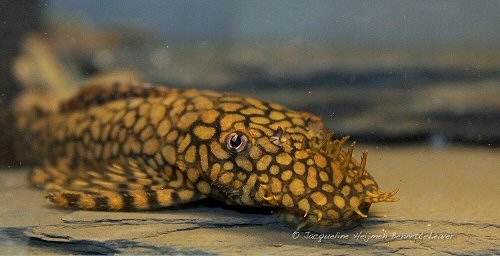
236, 142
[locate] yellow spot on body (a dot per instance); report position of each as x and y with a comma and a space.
193, 174
244, 163
211, 93
129, 119
262, 128
147, 133
267, 145
201, 103
239, 126
132, 146
276, 106
367, 182
333, 214
260, 120
182, 145
115, 201
346, 190
140, 199
297, 187
95, 130
97, 150
164, 127
226, 178
299, 168
298, 121
230, 107
275, 115
304, 205
115, 148
287, 201
301, 154
176, 111
354, 201
323, 176
274, 170
338, 176
172, 136
228, 120
204, 187
358, 187
312, 178
214, 172
247, 189
168, 152
203, 151
320, 160
190, 155
264, 178
286, 175
242, 176
168, 170
339, 201
209, 116
136, 102
190, 93
159, 159
86, 202
283, 124
255, 152
58, 198
122, 135
186, 195
319, 198
255, 133
237, 184
105, 132
284, 159
117, 105
179, 181
154, 100
252, 111
157, 113
164, 197
327, 188
144, 109
230, 99
228, 166
186, 120
256, 103
119, 115
218, 151
204, 132
181, 165
276, 185
151, 146
264, 162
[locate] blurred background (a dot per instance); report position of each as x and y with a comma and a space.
416, 82
399, 72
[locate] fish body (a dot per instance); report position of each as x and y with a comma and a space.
127, 146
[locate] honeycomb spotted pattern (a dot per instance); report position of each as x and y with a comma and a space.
131, 146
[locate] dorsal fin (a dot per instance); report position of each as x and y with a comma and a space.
98, 94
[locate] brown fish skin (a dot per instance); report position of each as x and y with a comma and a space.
128, 146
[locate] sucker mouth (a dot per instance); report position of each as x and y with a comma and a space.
316, 222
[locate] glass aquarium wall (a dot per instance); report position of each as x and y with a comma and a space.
385, 71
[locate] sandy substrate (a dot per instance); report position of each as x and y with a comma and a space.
449, 205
